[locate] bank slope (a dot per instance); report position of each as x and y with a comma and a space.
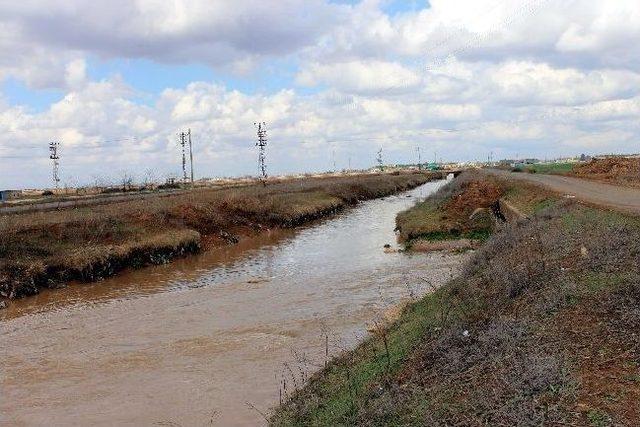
542, 327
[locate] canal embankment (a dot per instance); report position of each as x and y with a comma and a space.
539, 328
49, 249
466, 211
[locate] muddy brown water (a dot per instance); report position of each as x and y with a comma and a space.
206, 340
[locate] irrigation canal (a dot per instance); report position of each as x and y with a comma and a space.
209, 337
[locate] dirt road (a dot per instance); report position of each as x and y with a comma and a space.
613, 196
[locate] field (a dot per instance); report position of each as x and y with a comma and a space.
539, 329
551, 168
47, 249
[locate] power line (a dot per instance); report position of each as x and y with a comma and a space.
333, 155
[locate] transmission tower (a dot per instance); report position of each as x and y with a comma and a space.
379, 160
183, 143
190, 157
419, 159
53, 155
262, 145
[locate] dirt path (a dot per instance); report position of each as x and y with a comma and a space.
620, 198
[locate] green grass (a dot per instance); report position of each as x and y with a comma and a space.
357, 373
528, 198
440, 217
598, 418
437, 236
421, 220
596, 282
550, 168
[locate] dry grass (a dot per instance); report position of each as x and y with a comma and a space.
46, 248
541, 328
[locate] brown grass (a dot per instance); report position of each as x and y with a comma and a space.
44, 249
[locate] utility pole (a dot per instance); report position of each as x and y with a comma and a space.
53, 150
191, 156
333, 155
379, 160
183, 143
419, 160
262, 145
349, 163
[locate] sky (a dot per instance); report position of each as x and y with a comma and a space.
115, 81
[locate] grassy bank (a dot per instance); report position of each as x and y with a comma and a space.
446, 214
39, 250
541, 328
469, 208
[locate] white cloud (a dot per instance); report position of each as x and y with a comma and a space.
586, 32
360, 77
232, 33
530, 83
76, 73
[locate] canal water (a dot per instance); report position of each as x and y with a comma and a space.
208, 340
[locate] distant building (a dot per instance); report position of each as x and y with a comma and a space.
6, 195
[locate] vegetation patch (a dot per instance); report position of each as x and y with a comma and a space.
460, 209
528, 198
541, 328
616, 170
550, 168
468, 209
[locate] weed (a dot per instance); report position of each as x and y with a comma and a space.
598, 418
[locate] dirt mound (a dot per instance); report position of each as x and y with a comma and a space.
617, 169
475, 194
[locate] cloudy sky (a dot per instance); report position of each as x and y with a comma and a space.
115, 80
